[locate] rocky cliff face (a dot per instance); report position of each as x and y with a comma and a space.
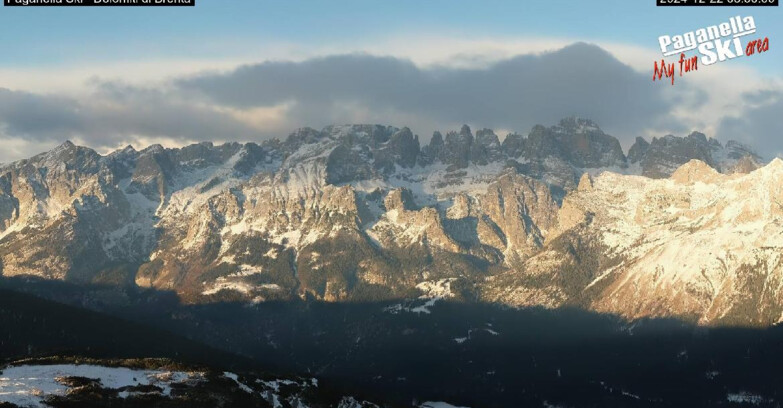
661, 157
700, 244
364, 212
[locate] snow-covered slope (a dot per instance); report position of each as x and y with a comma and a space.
44, 385
29, 385
702, 243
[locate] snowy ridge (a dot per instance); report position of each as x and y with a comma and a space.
28, 386
683, 240
34, 386
353, 210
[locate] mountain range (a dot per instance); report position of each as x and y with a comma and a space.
681, 227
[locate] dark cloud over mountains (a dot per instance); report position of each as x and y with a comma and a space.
759, 124
512, 94
580, 79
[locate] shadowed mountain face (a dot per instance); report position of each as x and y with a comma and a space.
682, 227
32, 326
46, 346
402, 353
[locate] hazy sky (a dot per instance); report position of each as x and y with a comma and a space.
249, 70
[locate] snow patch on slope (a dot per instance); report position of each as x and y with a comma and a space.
29, 385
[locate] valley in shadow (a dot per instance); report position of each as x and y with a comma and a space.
408, 351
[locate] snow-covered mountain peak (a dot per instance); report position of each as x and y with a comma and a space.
682, 226
695, 171
775, 165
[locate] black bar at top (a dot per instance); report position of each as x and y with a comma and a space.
99, 3
717, 3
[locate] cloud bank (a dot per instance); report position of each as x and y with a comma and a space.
259, 101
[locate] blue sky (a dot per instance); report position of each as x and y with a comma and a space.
110, 76
220, 28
